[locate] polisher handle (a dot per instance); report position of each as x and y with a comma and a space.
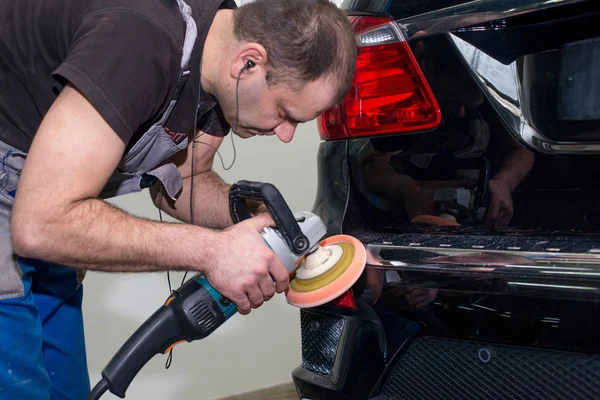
192, 312
282, 215
153, 337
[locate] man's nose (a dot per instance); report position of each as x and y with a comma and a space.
285, 131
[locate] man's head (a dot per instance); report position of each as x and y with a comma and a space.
287, 61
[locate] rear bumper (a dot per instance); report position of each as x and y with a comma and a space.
449, 368
513, 326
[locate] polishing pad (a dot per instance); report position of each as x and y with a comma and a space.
327, 273
435, 220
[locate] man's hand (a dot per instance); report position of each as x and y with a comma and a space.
500, 210
516, 165
245, 270
411, 297
419, 201
257, 207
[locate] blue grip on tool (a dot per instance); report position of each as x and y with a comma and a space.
226, 305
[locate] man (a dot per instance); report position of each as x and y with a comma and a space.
407, 170
104, 97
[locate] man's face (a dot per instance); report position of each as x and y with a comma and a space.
277, 109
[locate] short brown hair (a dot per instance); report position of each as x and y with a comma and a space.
304, 39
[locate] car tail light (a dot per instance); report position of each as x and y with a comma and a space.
389, 93
345, 301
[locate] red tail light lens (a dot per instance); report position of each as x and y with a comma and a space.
332, 122
389, 93
345, 301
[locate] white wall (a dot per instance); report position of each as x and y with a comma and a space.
248, 352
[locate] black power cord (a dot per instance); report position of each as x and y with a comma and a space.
102, 386
170, 356
98, 390
195, 140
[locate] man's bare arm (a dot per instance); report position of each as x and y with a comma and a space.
57, 216
210, 204
516, 167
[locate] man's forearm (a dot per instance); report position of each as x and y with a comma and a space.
210, 202
515, 168
386, 182
94, 235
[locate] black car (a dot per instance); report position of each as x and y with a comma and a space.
466, 158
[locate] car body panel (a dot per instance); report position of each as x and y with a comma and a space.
515, 81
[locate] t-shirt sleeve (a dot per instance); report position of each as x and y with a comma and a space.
213, 122
125, 65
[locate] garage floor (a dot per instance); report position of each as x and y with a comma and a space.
282, 392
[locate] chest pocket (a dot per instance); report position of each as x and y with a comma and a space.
138, 167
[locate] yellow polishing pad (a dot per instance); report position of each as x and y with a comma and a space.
327, 273
324, 279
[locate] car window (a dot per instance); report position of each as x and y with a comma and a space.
408, 8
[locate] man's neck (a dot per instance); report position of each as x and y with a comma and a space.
216, 49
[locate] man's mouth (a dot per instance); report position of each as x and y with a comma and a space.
249, 132
260, 133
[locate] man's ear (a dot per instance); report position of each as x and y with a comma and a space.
249, 57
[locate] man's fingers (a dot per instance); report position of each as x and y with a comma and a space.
280, 275
411, 293
420, 300
505, 214
260, 222
255, 296
267, 287
505, 218
243, 305
492, 214
262, 209
502, 220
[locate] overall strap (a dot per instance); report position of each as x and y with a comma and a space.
191, 33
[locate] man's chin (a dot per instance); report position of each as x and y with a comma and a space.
244, 134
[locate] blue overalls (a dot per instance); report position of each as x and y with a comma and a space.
42, 344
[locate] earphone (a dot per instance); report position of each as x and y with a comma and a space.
249, 64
